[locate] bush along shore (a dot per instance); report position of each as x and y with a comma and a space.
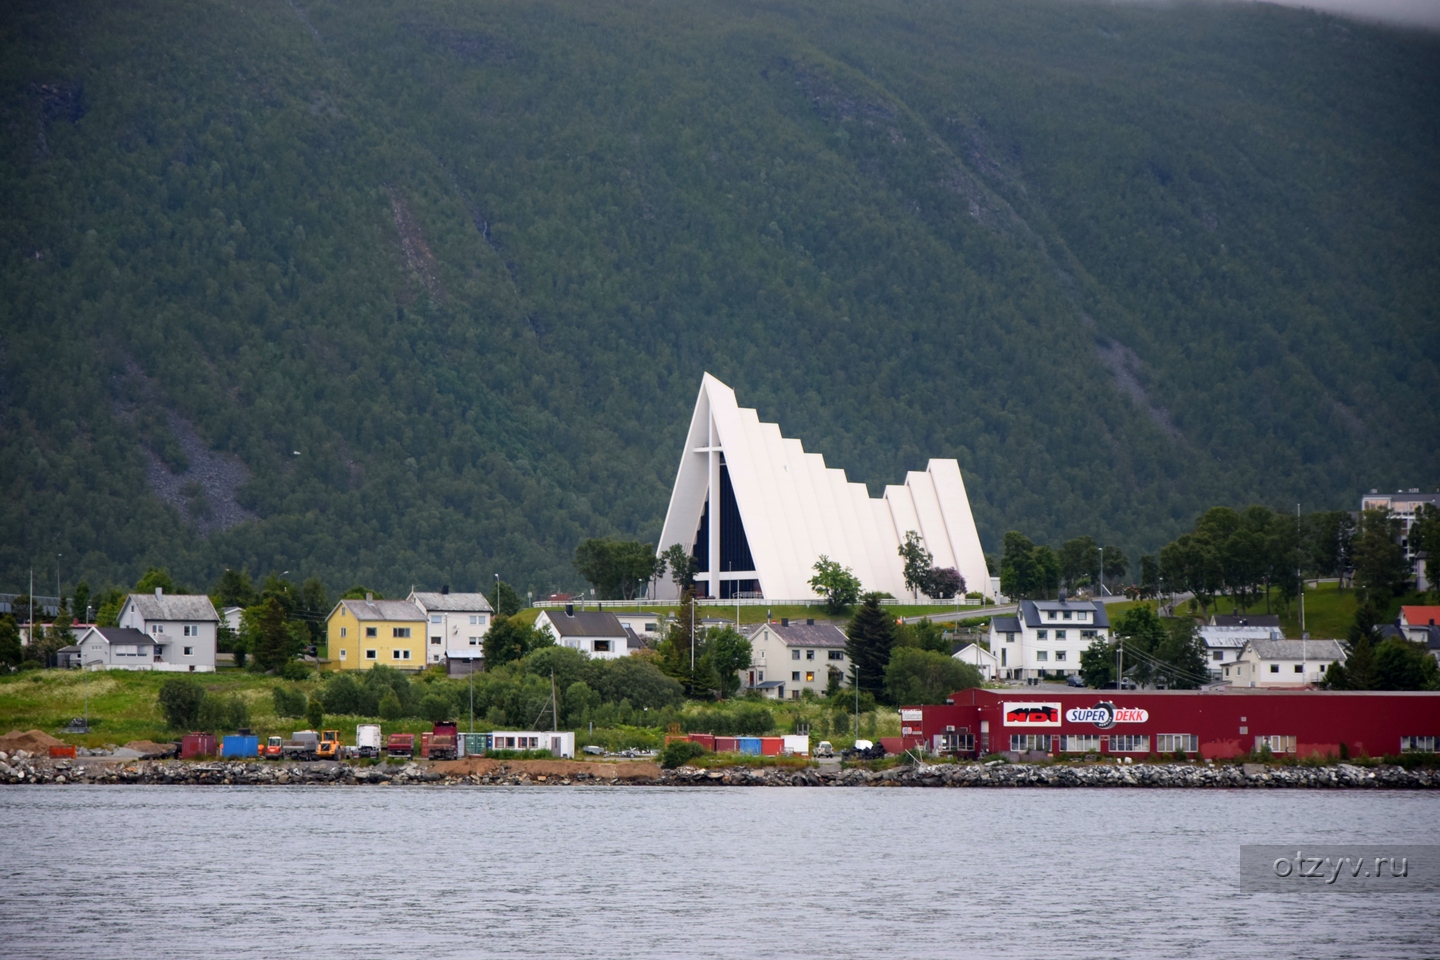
21, 768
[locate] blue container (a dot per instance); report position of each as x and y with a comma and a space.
748, 745
238, 746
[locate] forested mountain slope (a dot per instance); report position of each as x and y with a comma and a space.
399, 292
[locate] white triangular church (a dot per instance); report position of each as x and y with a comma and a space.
757, 511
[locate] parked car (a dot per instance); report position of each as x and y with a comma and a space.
1125, 684
593, 750
1074, 680
824, 749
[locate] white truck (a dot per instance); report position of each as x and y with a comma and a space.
367, 740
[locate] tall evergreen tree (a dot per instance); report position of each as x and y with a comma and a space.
870, 637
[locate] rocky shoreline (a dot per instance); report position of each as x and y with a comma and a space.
21, 768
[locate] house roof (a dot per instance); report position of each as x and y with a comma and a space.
1246, 620
633, 640
1031, 612
451, 602
978, 651
175, 606
588, 623
1297, 649
381, 609
118, 635
1418, 616
808, 634
1005, 624
768, 684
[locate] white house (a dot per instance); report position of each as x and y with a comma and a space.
756, 511
113, 648
184, 629
596, 632
457, 623
1225, 636
979, 658
1046, 636
646, 626
560, 743
789, 657
1283, 663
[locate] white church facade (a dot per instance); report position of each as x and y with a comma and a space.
757, 511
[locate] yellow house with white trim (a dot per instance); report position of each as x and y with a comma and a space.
363, 633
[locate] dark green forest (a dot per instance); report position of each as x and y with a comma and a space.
421, 292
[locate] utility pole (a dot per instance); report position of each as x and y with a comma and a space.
855, 677
58, 595
1299, 577
1119, 662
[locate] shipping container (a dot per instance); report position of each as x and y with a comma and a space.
750, 746
772, 746
706, 740
236, 745
67, 750
474, 744
197, 745
797, 744
726, 745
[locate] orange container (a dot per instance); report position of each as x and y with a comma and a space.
772, 746
65, 751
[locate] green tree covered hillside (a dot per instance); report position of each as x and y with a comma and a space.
419, 292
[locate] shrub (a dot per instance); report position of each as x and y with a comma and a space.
315, 714
181, 700
289, 702
435, 708
222, 713
390, 708
678, 753
295, 670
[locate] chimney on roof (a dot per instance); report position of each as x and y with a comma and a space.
809, 621
159, 592
569, 609
445, 590
369, 597
784, 621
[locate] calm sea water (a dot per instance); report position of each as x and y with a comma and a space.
392, 872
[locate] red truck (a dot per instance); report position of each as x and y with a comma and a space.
441, 742
400, 745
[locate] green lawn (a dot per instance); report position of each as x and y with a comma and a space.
1329, 611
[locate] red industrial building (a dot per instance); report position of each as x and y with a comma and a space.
1215, 724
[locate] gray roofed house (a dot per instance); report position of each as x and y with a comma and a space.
1046, 637
120, 648
184, 628
1227, 633
795, 656
382, 609
1283, 663
596, 632
1040, 613
456, 628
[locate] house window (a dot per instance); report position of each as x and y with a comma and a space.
1417, 744
651, 627
1041, 656
342, 653
1050, 614
795, 676
369, 654
1299, 668
434, 618
1087, 634
400, 654
400, 633
371, 632
1276, 744
474, 620
343, 633
1059, 634
794, 694
1218, 655
188, 651
1170, 742
1274, 668
1129, 743
602, 646
794, 654
1080, 743
837, 655
1065, 615
1030, 741
190, 630
474, 641
1082, 615
434, 641
1060, 655
1042, 634
809, 677
809, 654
